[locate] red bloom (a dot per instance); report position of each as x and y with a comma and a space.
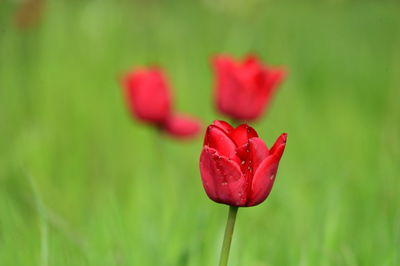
148, 95
149, 100
243, 89
236, 166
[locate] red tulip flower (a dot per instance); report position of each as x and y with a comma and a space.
244, 89
148, 95
149, 100
236, 166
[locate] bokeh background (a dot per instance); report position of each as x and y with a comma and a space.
81, 183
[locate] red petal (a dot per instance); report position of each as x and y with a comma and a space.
275, 76
224, 126
265, 174
182, 126
251, 155
251, 59
217, 138
277, 148
222, 63
262, 182
242, 133
249, 69
228, 88
269, 80
258, 150
222, 179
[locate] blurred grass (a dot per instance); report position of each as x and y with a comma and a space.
81, 184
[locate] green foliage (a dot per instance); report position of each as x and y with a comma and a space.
83, 184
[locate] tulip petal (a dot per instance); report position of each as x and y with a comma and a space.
222, 179
268, 81
281, 141
249, 70
242, 134
262, 182
251, 155
265, 174
224, 126
258, 151
217, 138
251, 59
182, 126
228, 87
274, 77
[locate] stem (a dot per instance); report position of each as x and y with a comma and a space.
230, 224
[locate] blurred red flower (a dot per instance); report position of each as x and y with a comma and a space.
244, 89
149, 100
236, 166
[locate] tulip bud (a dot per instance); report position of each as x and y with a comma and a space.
236, 166
148, 95
244, 89
149, 100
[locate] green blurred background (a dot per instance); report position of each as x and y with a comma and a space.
83, 184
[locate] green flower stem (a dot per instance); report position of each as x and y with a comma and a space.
230, 224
